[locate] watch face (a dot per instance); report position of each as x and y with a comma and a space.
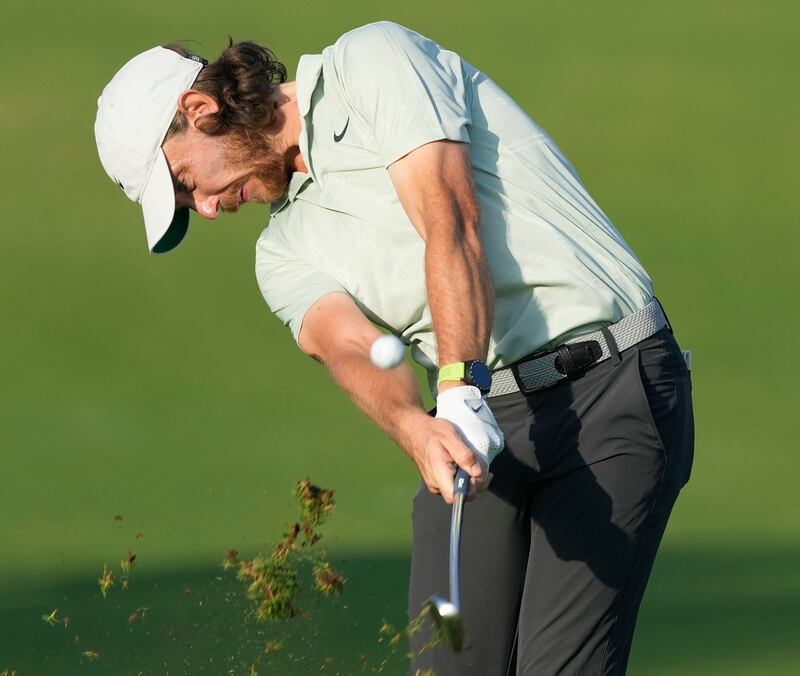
479, 375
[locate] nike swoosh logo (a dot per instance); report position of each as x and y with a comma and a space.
339, 137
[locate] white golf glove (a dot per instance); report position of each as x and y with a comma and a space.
468, 411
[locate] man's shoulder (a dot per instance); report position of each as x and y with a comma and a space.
370, 40
377, 30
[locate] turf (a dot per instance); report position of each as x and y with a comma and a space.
162, 390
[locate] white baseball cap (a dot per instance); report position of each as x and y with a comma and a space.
134, 113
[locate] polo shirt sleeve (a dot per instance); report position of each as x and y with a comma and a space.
289, 282
405, 88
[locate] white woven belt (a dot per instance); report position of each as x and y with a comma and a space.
540, 372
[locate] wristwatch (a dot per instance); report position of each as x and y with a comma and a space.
473, 372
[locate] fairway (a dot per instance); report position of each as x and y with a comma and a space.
161, 390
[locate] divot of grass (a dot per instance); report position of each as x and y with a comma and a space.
394, 637
106, 580
52, 619
138, 615
274, 579
282, 583
296, 562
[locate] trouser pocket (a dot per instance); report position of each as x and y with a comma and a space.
667, 395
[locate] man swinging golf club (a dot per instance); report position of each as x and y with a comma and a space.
409, 191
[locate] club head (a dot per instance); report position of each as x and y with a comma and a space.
448, 625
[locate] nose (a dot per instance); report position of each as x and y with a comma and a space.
207, 206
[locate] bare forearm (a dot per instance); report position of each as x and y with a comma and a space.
460, 292
336, 333
390, 398
434, 185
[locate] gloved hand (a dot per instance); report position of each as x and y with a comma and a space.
470, 414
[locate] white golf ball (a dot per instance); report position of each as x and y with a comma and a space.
447, 609
387, 351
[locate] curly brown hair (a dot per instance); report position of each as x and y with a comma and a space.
242, 81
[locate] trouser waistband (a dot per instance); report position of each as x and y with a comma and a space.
572, 359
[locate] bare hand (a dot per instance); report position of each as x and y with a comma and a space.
437, 448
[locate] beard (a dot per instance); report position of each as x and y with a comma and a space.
255, 154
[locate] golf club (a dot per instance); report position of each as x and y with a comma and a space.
447, 613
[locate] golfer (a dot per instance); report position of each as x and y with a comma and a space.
410, 193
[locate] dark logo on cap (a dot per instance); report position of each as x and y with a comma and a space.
119, 183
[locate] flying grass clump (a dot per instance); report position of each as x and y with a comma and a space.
273, 580
271, 583
315, 505
52, 619
108, 578
138, 615
427, 617
328, 581
395, 638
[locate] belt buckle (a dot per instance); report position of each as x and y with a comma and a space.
571, 361
515, 371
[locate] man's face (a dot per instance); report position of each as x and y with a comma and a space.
213, 173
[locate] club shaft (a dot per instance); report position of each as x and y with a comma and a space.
459, 493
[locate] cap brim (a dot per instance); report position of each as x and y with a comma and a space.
165, 224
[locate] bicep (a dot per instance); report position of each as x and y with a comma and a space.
434, 186
335, 324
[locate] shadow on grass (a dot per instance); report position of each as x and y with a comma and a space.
713, 611
721, 611
199, 622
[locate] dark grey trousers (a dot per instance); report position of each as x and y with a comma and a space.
556, 554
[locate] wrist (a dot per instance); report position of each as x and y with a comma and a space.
472, 372
449, 385
410, 425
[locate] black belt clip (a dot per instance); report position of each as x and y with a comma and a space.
573, 359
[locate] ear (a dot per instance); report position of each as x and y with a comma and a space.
193, 104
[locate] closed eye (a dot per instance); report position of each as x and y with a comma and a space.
183, 185
184, 195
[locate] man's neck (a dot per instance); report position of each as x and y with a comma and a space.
287, 139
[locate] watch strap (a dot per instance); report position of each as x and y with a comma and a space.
454, 371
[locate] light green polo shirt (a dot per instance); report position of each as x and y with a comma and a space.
559, 266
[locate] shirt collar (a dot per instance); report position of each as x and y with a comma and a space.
296, 184
308, 69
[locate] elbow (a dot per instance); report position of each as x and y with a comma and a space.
332, 349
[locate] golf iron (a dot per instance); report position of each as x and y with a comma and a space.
446, 613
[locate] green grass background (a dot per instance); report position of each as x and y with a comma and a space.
161, 388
